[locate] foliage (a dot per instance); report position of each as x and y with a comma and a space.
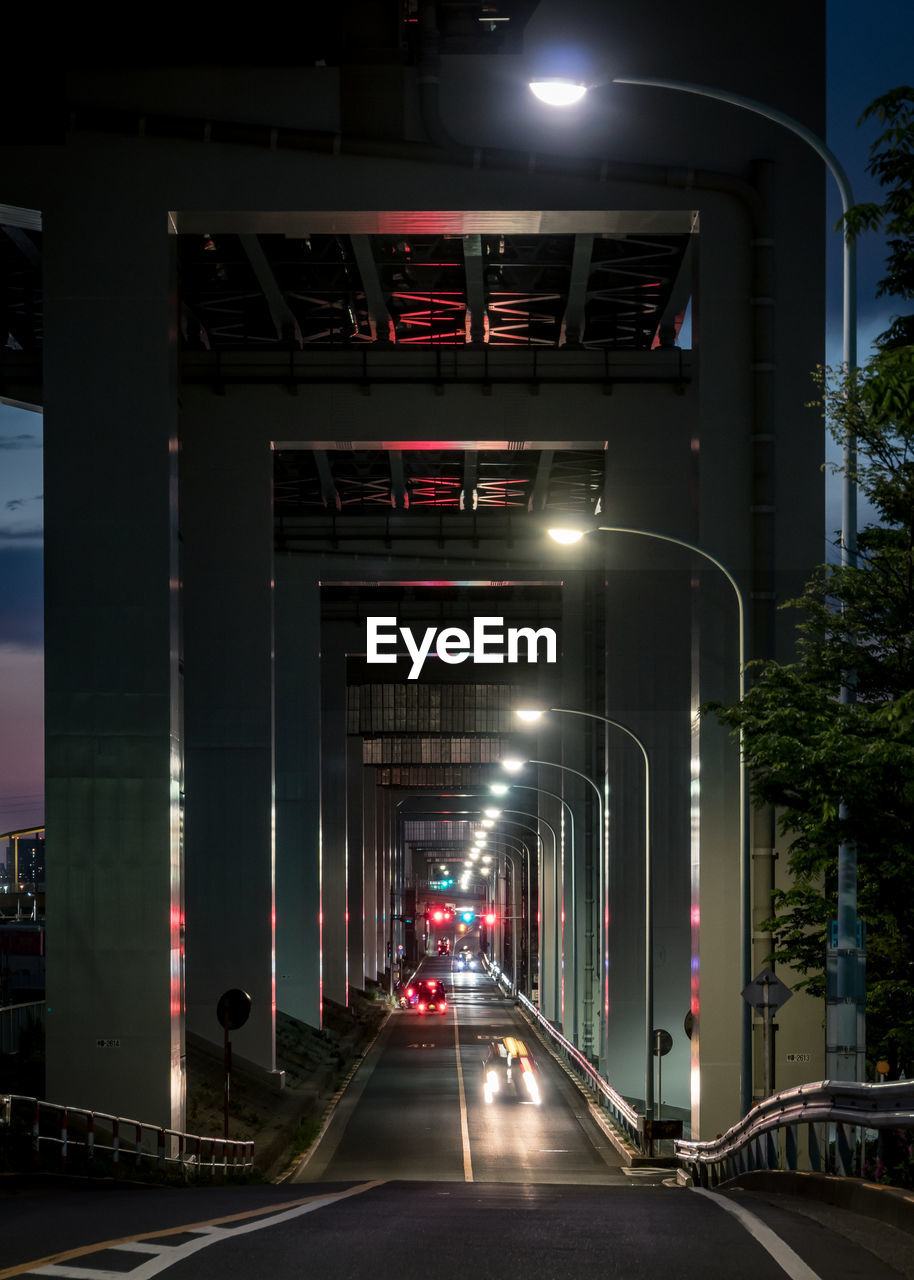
810, 753
892, 164
841, 769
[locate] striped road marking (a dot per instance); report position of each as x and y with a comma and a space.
165, 1255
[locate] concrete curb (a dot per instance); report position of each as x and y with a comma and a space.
892, 1205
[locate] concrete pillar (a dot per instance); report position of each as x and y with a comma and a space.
334, 858
572, 740
113, 695
356, 882
227, 561
297, 737
373, 943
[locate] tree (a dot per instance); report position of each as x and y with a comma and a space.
891, 163
806, 751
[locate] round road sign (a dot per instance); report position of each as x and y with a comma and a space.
233, 1009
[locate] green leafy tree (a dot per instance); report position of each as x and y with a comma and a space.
807, 751
891, 163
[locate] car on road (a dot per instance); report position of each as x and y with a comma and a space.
444, 946
425, 995
509, 1071
432, 996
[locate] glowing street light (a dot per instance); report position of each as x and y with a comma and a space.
531, 715
569, 534
557, 92
562, 92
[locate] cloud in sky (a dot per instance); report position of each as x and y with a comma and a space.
21, 600
22, 741
23, 441
21, 478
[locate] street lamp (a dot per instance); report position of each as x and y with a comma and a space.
501, 789
508, 847
557, 91
513, 766
531, 715
569, 535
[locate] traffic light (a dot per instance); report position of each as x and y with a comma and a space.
467, 916
489, 917
437, 916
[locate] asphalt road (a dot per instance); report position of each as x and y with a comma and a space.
416, 1110
415, 1176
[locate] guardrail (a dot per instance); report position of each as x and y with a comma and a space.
625, 1115
39, 1135
830, 1126
15, 1019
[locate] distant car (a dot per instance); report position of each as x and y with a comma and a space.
444, 946
509, 1071
431, 996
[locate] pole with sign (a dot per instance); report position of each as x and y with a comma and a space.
232, 1011
766, 993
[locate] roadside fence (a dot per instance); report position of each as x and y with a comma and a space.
45, 1136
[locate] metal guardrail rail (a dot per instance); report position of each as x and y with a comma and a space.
829, 1126
35, 1134
17, 1018
625, 1115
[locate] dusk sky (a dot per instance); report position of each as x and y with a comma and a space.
870, 50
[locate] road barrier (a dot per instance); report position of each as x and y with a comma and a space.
16, 1019
625, 1115
39, 1135
847, 1128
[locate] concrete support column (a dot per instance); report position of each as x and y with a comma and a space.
549, 900
297, 736
227, 560
582, 684
373, 943
356, 882
334, 860
113, 697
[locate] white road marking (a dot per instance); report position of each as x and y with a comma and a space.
79, 1273
464, 1126
790, 1263
162, 1261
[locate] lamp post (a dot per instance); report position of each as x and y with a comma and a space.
848, 1043
513, 766
505, 848
540, 852
501, 789
531, 715
567, 536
